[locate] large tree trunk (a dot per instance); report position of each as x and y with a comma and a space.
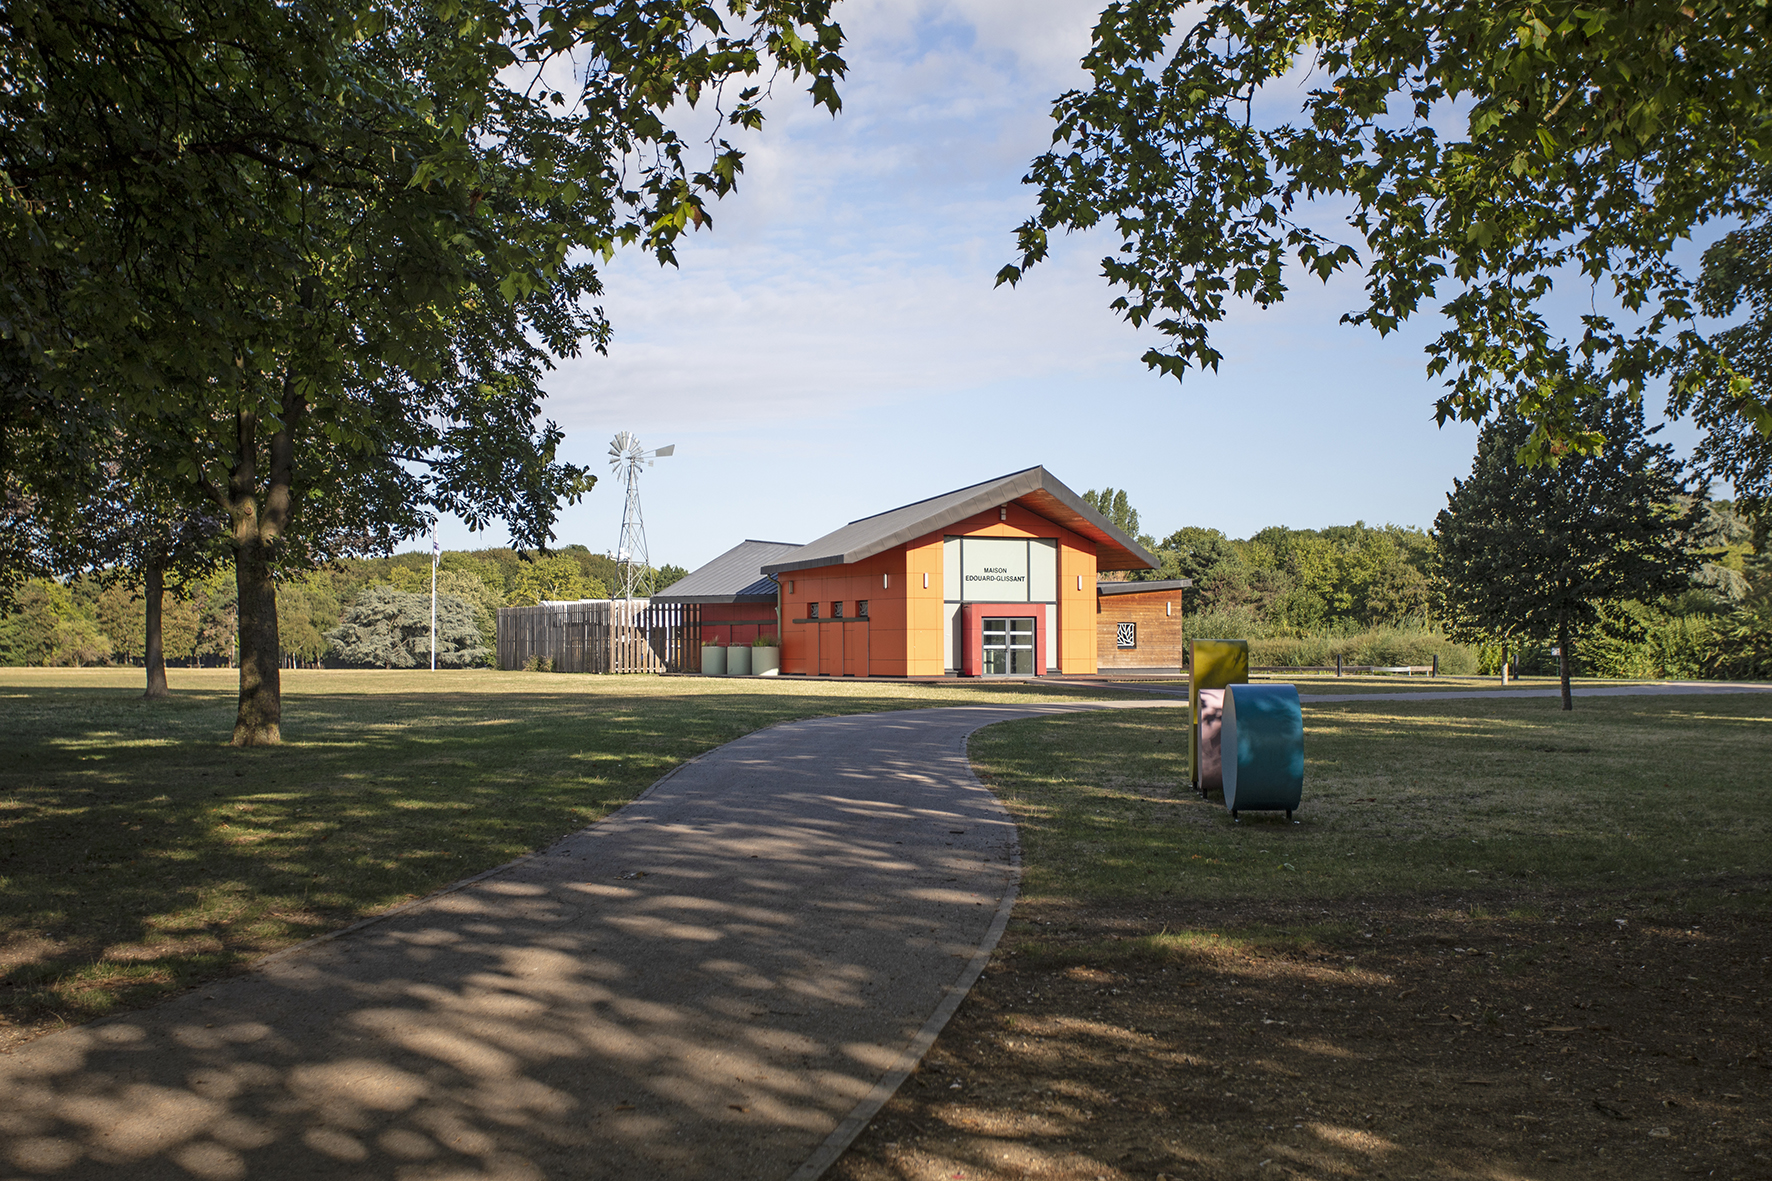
155, 657
259, 721
1563, 659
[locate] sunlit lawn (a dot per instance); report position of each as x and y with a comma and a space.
139, 853
1668, 794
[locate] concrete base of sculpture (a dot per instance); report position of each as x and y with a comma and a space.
1261, 739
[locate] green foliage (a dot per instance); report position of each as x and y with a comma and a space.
553, 577
306, 609
1545, 553
198, 616
1387, 646
1113, 504
386, 628
1191, 552
1587, 138
47, 627
1744, 639
313, 262
1638, 640
666, 576
1305, 581
1729, 401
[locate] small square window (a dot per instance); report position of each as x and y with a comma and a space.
812, 610
861, 608
1126, 635
837, 609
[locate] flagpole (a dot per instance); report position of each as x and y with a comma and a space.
435, 552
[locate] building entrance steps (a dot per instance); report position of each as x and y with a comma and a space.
724, 979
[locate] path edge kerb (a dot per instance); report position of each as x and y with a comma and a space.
863, 1113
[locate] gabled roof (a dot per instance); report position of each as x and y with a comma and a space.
1035, 489
736, 576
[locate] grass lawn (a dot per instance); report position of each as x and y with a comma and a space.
139, 854
1501, 941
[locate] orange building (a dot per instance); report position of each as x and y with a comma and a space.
998, 579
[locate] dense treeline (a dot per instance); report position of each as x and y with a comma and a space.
1369, 594
100, 620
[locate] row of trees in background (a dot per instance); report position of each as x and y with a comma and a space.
1285, 582
373, 612
1606, 564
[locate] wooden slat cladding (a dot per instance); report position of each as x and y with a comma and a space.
1158, 617
602, 636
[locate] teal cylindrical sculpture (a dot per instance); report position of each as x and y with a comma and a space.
1261, 739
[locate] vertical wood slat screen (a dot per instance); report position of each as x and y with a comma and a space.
602, 636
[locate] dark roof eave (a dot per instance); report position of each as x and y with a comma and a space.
700, 599
1151, 587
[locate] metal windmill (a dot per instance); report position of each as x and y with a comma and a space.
634, 566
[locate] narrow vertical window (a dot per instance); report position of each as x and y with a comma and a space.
837, 609
812, 610
861, 608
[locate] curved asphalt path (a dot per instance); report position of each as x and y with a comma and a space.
722, 980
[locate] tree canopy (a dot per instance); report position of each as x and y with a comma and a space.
314, 261
1117, 508
1591, 140
386, 628
1737, 276
1542, 553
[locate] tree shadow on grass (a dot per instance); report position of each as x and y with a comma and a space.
701, 987
141, 855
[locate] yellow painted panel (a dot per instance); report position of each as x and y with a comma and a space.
1214, 664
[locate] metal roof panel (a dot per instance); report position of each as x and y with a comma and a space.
735, 576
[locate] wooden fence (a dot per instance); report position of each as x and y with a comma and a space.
602, 636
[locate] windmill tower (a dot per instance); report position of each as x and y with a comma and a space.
634, 566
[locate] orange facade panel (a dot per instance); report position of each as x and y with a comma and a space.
904, 590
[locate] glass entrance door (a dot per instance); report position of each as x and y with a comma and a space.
1008, 647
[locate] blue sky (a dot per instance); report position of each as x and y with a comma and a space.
834, 347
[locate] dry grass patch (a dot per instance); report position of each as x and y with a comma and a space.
1501, 942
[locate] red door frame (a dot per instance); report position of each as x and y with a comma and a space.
972, 617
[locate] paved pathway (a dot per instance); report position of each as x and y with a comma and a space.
719, 981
